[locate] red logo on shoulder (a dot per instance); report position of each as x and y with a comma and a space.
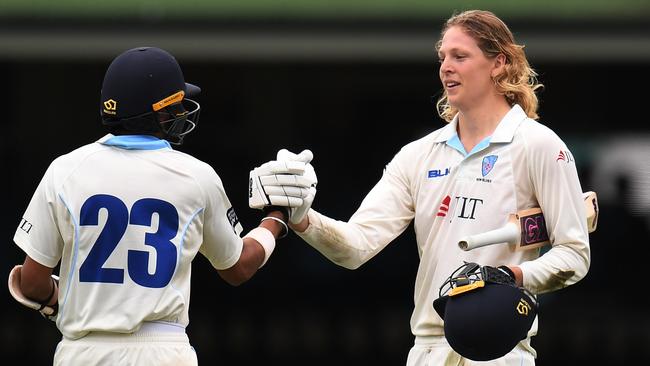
565, 156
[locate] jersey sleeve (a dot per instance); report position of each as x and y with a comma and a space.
553, 172
382, 216
222, 244
38, 234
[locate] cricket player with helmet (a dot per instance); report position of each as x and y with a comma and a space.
491, 159
125, 216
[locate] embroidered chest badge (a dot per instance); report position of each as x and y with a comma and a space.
488, 164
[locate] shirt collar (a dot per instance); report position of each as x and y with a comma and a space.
135, 142
449, 131
504, 132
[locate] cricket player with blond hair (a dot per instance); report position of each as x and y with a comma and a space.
493, 158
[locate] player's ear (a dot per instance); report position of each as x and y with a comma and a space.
498, 66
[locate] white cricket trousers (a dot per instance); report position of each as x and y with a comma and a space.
435, 351
155, 344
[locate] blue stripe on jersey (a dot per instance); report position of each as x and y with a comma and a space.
73, 263
521, 357
182, 243
454, 142
137, 142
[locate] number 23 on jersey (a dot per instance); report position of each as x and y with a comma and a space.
118, 220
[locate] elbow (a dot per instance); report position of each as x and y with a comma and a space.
241, 277
581, 264
236, 282
236, 278
584, 268
578, 271
350, 263
350, 266
348, 258
236, 275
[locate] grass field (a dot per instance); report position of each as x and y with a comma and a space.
330, 9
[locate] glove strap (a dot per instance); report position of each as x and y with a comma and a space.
507, 270
498, 275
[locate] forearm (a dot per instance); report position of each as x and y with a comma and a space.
560, 267
36, 282
34, 286
346, 244
257, 247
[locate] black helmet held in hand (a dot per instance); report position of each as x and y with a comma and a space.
144, 91
485, 314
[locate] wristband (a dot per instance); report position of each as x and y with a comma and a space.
265, 237
282, 209
284, 224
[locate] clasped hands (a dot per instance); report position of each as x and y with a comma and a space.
289, 182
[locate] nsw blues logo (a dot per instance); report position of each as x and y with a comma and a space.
488, 164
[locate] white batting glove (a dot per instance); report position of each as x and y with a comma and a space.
297, 214
47, 311
278, 183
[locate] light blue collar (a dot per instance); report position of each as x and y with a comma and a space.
455, 143
135, 142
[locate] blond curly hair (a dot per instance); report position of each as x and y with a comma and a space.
518, 83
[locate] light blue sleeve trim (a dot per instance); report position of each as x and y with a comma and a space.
73, 262
137, 142
183, 233
182, 243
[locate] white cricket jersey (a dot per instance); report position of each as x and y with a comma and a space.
126, 216
450, 194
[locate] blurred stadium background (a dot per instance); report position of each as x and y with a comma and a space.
353, 81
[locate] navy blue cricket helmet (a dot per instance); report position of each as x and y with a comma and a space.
144, 90
485, 314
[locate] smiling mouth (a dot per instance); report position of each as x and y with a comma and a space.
451, 85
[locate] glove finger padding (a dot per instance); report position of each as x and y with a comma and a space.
48, 311
296, 215
305, 156
288, 191
281, 167
286, 180
285, 201
277, 183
